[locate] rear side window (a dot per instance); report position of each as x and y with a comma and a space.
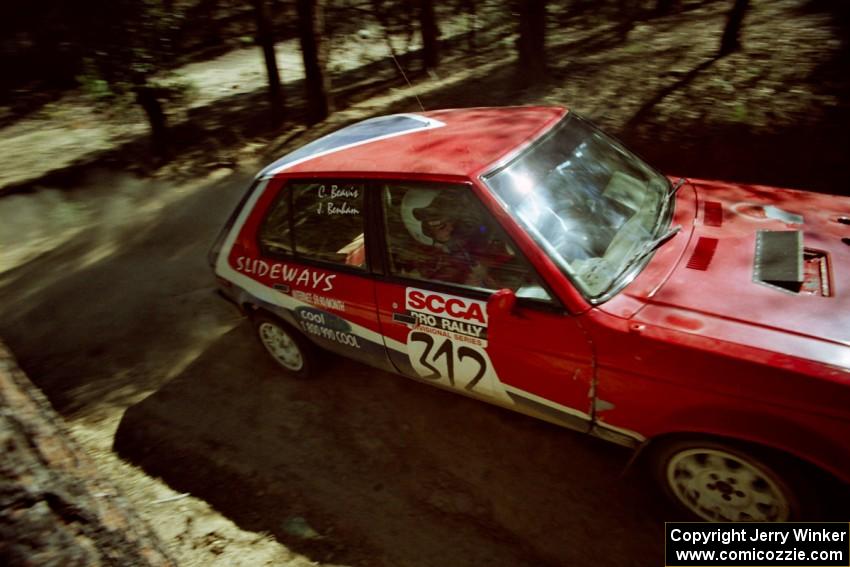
317, 221
275, 235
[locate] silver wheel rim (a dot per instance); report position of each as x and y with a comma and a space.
722, 487
281, 346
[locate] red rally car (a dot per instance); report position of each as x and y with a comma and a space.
523, 257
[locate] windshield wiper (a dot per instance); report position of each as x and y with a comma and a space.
645, 251
655, 244
671, 194
675, 187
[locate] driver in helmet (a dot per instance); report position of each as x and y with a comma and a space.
450, 241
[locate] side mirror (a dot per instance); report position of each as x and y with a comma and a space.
501, 304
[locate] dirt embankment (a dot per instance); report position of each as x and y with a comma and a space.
55, 509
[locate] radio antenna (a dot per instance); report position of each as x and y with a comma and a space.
397, 64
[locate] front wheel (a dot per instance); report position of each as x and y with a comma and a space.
286, 346
727, 482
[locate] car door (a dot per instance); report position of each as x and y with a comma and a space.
301, 254
444, 258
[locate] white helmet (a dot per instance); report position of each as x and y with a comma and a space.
414, 200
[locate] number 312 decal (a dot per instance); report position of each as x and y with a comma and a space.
463, 365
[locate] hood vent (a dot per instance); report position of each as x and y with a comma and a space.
816, 273
703, 253
712, 214
779, 259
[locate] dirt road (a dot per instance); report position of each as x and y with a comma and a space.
357, 467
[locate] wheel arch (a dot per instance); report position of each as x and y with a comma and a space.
249, 307
252, 309
306, 349
778, 435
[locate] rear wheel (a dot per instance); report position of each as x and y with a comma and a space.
285, 345
726, 482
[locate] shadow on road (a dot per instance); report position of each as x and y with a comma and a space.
117, 308
387, 471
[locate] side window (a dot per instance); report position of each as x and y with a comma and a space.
317, 221
443, 234
275, 236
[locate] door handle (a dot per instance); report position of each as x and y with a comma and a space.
404, 318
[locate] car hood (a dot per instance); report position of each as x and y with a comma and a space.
738, 277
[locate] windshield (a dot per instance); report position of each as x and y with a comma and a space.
593, 205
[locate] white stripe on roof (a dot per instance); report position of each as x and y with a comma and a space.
286, 162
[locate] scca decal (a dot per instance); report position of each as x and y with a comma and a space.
457, 308
284, 272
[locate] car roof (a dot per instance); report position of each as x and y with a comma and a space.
461, 142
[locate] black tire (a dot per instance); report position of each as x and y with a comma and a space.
721, 481
287, 347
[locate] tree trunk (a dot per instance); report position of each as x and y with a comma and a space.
430, 33
663, 7
630, 12
310, 29
731, 33
472, 17
377, 11
148, 98
265, 39
531, 43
